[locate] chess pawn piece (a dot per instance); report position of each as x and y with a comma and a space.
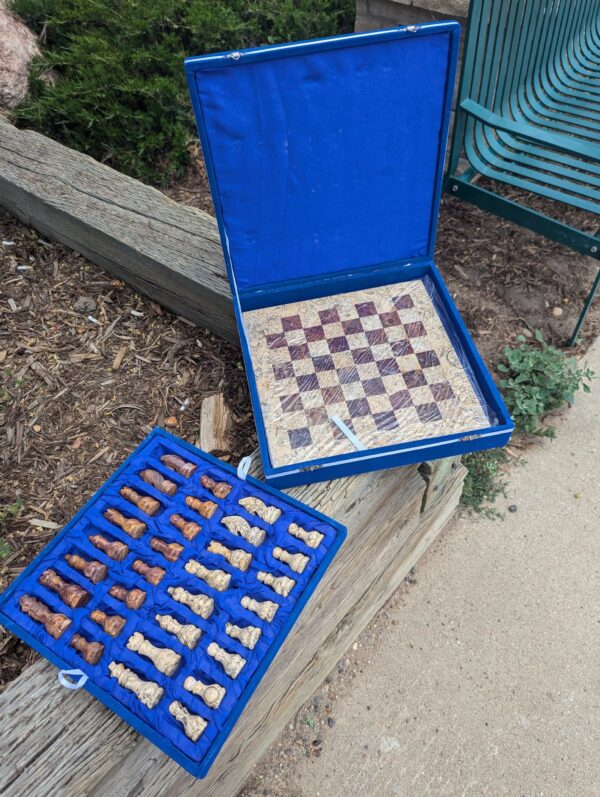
193, 724
200, 604
188, 528
153, 575
282, 585
212, 694
135, 528
147, 692
311, 538
132, 598
178, 464
71, 594
164, 659
240, 526
112, 624
95, 571
144, 502
188, 634
204, 508
158, 481
232, 663
115, 550
236, 557
55, 623
264, 609
248, 636
90, 651
218, 489
217, 579
270, 514
170, 550
296, 561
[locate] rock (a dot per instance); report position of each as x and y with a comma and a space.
512, 508
18, 46
330, 722
557, 312
84, 305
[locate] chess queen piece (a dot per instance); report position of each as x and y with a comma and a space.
295, 561
200, 604
158, 481
94, 570
188, 634
311, 538
55, 623
205, 509
170, 550
178, 464
193, 724
147, 692
90, 651
235, 556
211, 694
164, 659
217, 579
218, 489
111, 623
232, 663
71, 594
252, 504
144, 502
282, 585
114, 549
135, 528
132, 598
248, 636
264, 609
236, 524
188, 528
153, 575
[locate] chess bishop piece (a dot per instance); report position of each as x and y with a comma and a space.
270, 514
135, 528
188, 528
264, 609
55, 623
90, 651
170, 550
95, 571
164, 659
248, 636
282, 585
158, 481
205, 509
115, 550
153, 575
218, 489
147, 692
296, 561
112, 624
217, 579
236, 557
71, 594
311, 538
236, 524
185, 469
211, 694
232, 663
188, 634
200, 604
144, 502
132, 598
193, 724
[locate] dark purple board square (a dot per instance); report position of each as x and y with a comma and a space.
428, 412
314, 333
338, 344
276, 341
401, 348
366, 308
358, 407
403, 302
283, 371
385, 420
362, 356
415, 329
299, 438
414, 379
323, 362
400, 400
291, 403
299, 352
348, 375
390, 319
373, 387
317, 416
307, 382
329, 316
427, 359
442, 391
352, 327
291, 322
332, 395
388, 367
375, 337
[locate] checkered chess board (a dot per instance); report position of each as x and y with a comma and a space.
379, 359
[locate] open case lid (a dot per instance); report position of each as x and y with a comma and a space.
326, 156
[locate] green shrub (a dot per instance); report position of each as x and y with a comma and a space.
484, 481
117, 90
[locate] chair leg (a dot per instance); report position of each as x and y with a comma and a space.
586, 307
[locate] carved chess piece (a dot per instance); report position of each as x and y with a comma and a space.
164, 659
236, 556
188, 528
232, 663
90, 651
296, 561
204, 508
153, 575
71, 594
170, 550
212, 694
95, 571
217, 579
311, 538
135, 528
158, 481
178, 464
252, 504
218, 489
248, 636
282, 585
200, 604
132, 598
55, 623
147, 692
188, 634
193, 724
144, 502
264, 609
114, 549
111, 623
236, 524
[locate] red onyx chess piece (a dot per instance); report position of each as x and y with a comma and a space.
204, 508
90, 651
132, 598
71, 594
188, 528
153, 575
170, 550
55, 623
135, 528
95, 571
144, 502
158, 481
178, 464
114, 549
218, 489
112, 624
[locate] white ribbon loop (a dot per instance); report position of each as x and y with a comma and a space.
244, 467
68, 683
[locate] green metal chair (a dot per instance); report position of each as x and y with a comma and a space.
528, 114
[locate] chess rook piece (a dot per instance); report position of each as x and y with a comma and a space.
93, 570
248, 636
188, 528
217, 579
188, 634
311, 538
147, 692
232, 663
71, 594
90, 651
112, 624
218, 489
132, 598
153, 575
178, 464
264, 609
236, 556
170, 550
282, 585
144, 502
164, 659
204, 508
212, 694
270, 514
114, 549
200, 604
135, 528
55, 623
296, 561
158, 481
193, 724
240, 526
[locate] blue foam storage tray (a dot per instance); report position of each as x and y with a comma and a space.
157, 724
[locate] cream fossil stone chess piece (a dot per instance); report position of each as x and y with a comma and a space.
311, 538
235, 556
282, 585
147, 692
232, 663
270, 514
212, 694
264, 609
164, 659
240, 526
200, 604
296, 561
188, 634
217, 579
193, 725
248, 636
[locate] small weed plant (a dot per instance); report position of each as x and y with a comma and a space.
7, 513
484, 481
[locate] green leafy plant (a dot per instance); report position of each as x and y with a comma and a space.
8, 512
484, 481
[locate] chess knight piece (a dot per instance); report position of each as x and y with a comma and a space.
282, 585
232, 663
295, 561
270, 514
193, 724
204, 508
115, 550
200, 604
178, 464
144, 502
135, 528
147, 692
188, 528
153, 575
311, 538
264, 609
164, 659
218, 489
236, 556
55, 623
170, 550
90, 651
132, 598
95, 571
158, 481
71, 594
236, 524
112, 624
248, 636
211, 694
189, 635
217, 579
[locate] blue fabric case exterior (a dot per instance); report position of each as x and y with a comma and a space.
157, 724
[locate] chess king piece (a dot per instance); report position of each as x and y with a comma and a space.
188, 528
90, 651
115, 550
204, 508
236, 524
132, 598
270, 514
178, 464
188, 634
311, 538
218, 489
71, 594
144, 502
200, 604
282, 585
164, 659
95, 571
147, 692
264, 609
170, 550
158, 481
193, 724
112, 624
55, 623
135, 528
296, 561
236, 556
153, 575
212, 694
248, 636
217, 579
232, 663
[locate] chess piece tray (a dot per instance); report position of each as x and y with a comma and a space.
158, 724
